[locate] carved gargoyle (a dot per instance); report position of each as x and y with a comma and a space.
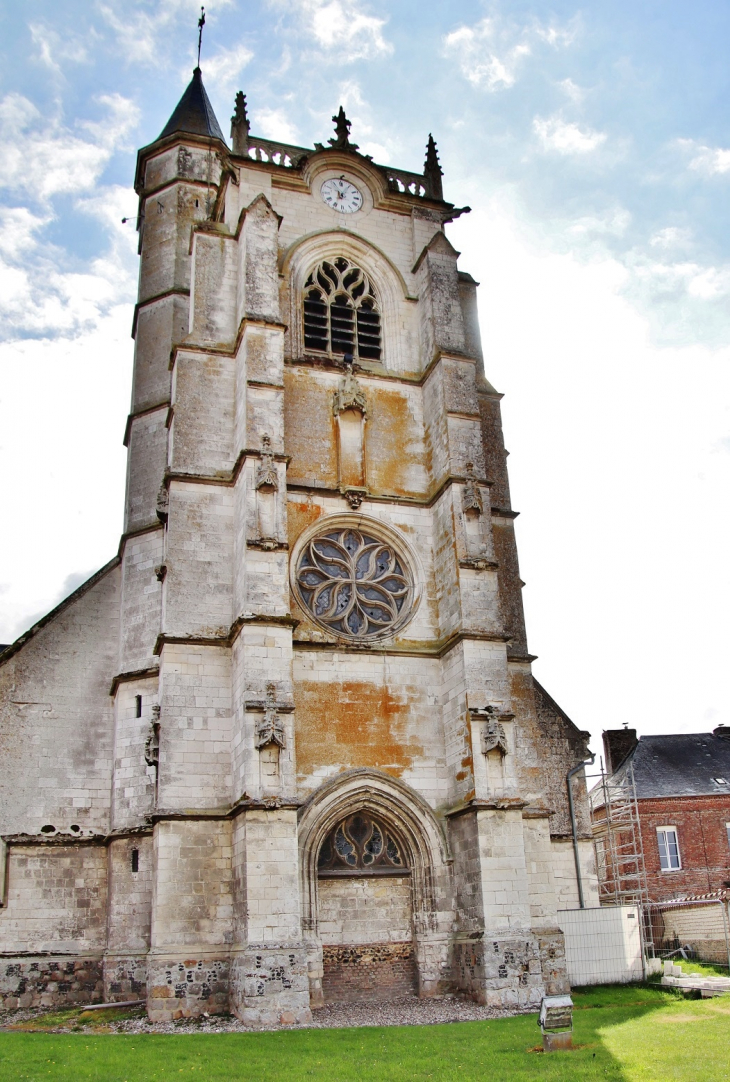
270, 729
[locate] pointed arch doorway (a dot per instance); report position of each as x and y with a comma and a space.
365, 911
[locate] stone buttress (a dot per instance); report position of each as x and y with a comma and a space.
287, 748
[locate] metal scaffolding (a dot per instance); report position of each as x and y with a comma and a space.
618, 843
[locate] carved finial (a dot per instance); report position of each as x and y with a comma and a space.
342, 128
432, 171
201, 24
240, 125
266, 475
472, 495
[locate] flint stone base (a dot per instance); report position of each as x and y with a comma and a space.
270, 985
510, 974
125, 978
50, 981
186, 987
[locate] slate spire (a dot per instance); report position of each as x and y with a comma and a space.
193, 114
432, 171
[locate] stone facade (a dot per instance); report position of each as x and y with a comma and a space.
315, 613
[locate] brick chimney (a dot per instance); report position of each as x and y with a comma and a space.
617, 744
723, 731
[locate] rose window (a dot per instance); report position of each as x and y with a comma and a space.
354, 584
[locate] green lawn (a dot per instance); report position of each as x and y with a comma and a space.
636, 1034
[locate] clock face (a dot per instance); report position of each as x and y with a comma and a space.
341, 195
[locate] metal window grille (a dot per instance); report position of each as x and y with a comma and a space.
341, 313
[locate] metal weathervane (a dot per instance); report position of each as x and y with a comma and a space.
201, 24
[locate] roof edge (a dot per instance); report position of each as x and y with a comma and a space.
20, 642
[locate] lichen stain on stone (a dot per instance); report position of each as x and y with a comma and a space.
308, 424
354, 723
300, 514
394, 446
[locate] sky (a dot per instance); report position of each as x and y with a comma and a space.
592, 142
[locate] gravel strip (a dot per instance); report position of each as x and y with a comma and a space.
407, 1011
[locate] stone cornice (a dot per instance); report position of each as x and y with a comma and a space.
132, 417
135, 674
176, 291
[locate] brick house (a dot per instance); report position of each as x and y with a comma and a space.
683, 797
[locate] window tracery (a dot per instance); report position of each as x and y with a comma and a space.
354, 584
361, 844
341, 311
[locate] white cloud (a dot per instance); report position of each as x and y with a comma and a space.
18, 229
711, 161
343, 29
566, 138
40, 295
223, 69
572, 90
142, 35
670, 237
53, 48
275, 124
40, 158
62, 410
614, 222
581, 370
490, 53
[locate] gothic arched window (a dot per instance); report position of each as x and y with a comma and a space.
358, 845
341, 313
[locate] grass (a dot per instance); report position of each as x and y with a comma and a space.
636, 1033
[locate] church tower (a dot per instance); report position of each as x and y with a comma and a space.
286, 748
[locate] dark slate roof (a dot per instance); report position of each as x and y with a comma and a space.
685, 764
193, 113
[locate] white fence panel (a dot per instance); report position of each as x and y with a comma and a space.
602, 945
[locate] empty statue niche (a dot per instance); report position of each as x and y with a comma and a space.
269, 766
350, 410
495, 748
351, 425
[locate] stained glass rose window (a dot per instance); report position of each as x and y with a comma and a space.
354, 584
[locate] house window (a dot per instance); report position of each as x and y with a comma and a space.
341, 312
668, 849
